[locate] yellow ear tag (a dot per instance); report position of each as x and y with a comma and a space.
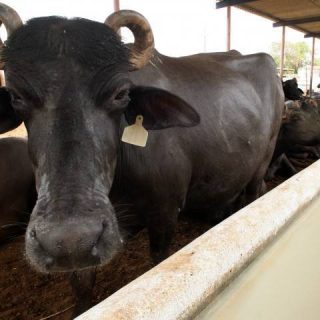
136, 134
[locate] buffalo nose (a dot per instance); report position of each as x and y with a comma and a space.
68, 246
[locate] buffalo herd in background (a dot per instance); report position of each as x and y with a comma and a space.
209, 148
299, 135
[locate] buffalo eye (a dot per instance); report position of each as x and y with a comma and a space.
15, 99
121, 95
115, 99
18, 105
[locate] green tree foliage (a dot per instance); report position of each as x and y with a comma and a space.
297, 54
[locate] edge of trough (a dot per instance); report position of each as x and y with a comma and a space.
182, 285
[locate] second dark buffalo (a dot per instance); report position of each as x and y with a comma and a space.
17, 188
291, 89
299, 132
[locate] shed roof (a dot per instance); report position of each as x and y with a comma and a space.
302, 15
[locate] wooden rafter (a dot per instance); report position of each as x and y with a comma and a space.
293, 22
227, 3
312, 35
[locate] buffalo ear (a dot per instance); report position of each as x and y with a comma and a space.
8, 118
160, 109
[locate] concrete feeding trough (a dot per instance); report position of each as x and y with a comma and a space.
263, 262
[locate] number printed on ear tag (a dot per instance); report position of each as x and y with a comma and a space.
135, 134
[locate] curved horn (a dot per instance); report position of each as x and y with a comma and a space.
143, 47
11, 21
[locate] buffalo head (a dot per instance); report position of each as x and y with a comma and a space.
291, 89
67, 80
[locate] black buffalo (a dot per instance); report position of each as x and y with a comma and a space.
291, 89
299, 132
17, 187
213, 122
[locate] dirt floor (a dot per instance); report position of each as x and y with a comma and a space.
27, 295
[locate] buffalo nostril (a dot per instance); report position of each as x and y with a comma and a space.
33, 234
94, 251
104, 226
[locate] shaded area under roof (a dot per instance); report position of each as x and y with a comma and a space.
302, 15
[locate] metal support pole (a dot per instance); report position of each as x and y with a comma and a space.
2, 79
116, 5
283, 41
228, 28
312, 64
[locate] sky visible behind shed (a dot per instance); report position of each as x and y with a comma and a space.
180, 27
